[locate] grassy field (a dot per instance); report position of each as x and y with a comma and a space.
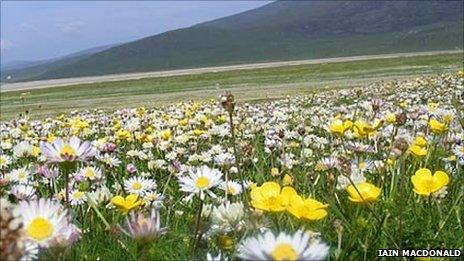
249, 85
353, 170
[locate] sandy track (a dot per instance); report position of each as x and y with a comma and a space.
134, 76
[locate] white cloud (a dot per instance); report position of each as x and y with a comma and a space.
26, 27
5, 45
71, 27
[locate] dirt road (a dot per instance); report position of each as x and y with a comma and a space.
133, 76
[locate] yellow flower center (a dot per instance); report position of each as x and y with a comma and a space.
284, 251
89, 173
202, 182
2, 161
230, 190
21, 175
362, 165
39, 229
68, 151
77, 195
136, 185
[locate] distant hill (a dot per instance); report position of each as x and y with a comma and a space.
25, 70
284, 30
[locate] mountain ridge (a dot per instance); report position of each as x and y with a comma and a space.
284, 31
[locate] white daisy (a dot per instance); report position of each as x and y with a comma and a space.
89, 173
109, 160
227, 216
139, 185
23, 192
5, 161
22, 175
43, 220
267, 246
231, 187
200, 181
154, 198
72, 150
76, 197
23, 149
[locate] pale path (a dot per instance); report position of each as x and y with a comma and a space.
133, 76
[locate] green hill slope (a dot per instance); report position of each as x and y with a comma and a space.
283, 31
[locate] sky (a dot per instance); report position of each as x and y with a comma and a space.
37, 30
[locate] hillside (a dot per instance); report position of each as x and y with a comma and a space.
285, 30
24, 70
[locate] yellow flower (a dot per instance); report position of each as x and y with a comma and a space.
275, 172
184, 122
420, 141
51, 138
309, 208
338, 127
364, 129
198, 132
418, 150
221, 119
364, 192
390, 118
123, 135
287, 180
35, 151
436, 126
126, 204
425, 183
165, 134
270, 197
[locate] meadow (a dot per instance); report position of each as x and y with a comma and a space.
247, 85
373, 160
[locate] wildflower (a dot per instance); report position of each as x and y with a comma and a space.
418, 151
131, 168
22, 175
139, 185
268, 246
200, 181
165, 134
390, 118
309, 208
5, 160
287, 180
364, 129
90, 173
364, 192
425, 183
227, 216
270, 197
69, 235
143, 228
275, 172
231, 187
73, 150
23, 192
126, 204
23, 149
77, 197
436, 126
338, 127
43, 220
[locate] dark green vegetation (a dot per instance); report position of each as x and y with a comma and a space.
24, 70
249, 85
285, 30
